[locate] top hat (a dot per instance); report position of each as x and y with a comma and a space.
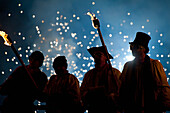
101, 48
141, 39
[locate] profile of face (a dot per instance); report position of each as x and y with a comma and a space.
137, 50
35, 63
99, 57
36, 59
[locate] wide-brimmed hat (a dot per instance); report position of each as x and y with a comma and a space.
101, 49
141, 39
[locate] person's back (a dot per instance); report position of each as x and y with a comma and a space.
62, 90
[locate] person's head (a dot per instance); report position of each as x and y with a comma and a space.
99, 54
36, 59
60, 64
139, 46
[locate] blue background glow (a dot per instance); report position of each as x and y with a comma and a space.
62, 27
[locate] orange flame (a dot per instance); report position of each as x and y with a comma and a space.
4, 36
93, 17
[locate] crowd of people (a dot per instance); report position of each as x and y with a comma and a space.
141, 87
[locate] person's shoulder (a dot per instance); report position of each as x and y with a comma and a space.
155, 61
128, 63
91, 70
72, 76
43, 74
19, 68
52, 77
116, 70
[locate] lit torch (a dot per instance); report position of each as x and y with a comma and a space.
8, 42
96, 25
95, 21
4, 36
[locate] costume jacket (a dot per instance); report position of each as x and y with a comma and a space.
21, 91
144, 87
98, 89
64, 94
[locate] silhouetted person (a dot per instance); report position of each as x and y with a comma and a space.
19, 88
63, 89
98, 90
144, 86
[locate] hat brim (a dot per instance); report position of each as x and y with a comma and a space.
131, 42
94, 49
135, 43
146, 47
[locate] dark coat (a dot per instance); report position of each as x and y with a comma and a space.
144, 87
20, 90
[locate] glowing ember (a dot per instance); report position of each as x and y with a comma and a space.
4, 36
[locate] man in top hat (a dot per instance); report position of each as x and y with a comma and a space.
144, 86
98, 88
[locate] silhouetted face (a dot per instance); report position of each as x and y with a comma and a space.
99, 57
60, 69
137, 50
35, 63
